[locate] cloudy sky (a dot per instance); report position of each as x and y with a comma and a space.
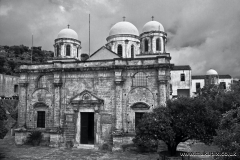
201, 33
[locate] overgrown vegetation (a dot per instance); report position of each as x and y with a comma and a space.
34, 138
11, 57
213, 118
3, 117
182, 119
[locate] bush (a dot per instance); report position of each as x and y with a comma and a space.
145, 145
34, 138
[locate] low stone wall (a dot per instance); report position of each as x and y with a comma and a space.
21, 137
118, 141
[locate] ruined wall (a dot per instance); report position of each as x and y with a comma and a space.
7, 83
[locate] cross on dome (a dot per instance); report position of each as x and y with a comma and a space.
124, 18
68, 25
152, 18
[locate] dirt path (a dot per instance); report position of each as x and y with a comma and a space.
9, 151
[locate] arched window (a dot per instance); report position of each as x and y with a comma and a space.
42, 82
77, 52
139, 79
146, 45
58, 51
132, 51
119, 50
68, 50
158, 44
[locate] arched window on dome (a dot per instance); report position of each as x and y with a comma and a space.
58, 51
132, 51
139, 79
77, 51
146, 45
119, 50
158, 44
68, 50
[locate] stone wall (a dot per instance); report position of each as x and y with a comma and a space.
7, 83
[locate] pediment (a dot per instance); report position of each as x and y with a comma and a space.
103, 54
85, 97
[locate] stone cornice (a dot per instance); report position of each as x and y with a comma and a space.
99, 68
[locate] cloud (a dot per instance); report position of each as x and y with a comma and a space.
202, 34
62, 8
4, 10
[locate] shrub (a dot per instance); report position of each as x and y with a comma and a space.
34, 138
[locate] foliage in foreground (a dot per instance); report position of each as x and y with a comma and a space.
34, 138
3, 117
228, 134
182, 119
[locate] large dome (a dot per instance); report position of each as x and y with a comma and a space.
124, 28
211, 72
152, 26
67, 33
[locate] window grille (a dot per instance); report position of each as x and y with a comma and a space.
139, 79
42, 82
182, 77
119, 50
146, 45
132, 51
40, 119
68, 50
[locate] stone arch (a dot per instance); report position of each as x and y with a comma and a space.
41, 95
140, 94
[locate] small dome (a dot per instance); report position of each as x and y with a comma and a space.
123, 28
211, 72
152, 26
67, 33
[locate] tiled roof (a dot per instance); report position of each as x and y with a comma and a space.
185, 67
220, 76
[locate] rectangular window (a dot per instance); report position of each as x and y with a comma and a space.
198, 86
223, 85
15, 88
41, 119
182, 77
138, 117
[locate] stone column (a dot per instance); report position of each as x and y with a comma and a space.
162, 86
22, 110
126, 45
151, 41
162, 44
118, 100
57, 99
62, 50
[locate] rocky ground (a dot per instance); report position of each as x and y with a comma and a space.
9, 151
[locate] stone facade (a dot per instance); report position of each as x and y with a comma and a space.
108, 89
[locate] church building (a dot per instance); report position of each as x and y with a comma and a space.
97, 101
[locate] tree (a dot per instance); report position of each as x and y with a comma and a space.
3, 117
182, 119
228, 134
